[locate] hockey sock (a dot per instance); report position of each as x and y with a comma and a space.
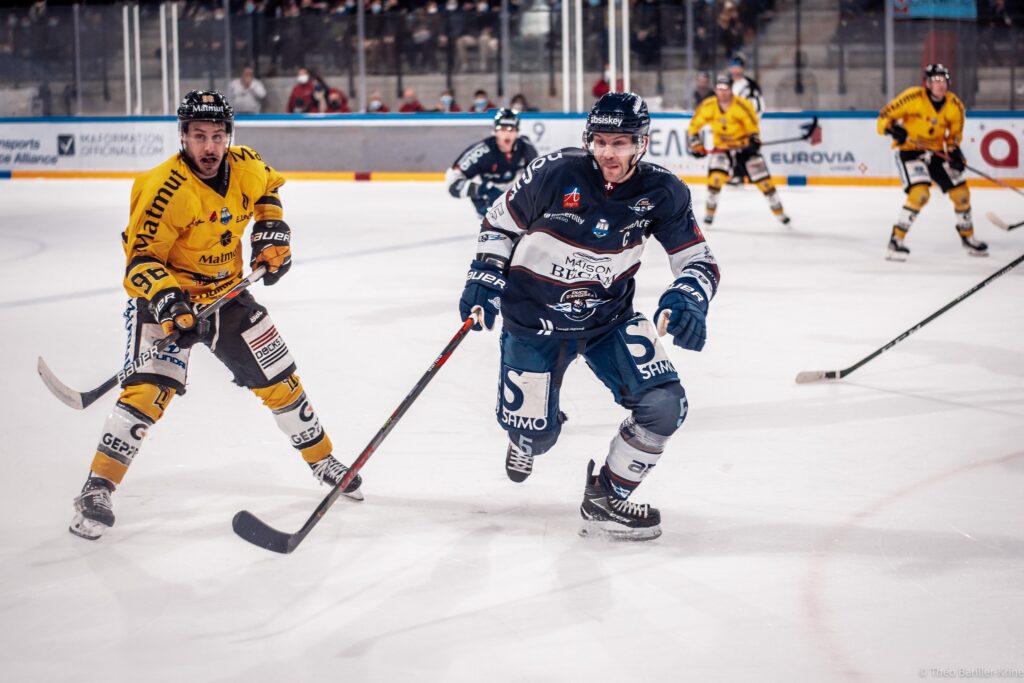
631, 455
137, 409
296, 418
961, 197
772, 196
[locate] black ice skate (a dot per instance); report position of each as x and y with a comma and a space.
613, 517
973, 246
897, 251
94, 513
329, 471
518, 465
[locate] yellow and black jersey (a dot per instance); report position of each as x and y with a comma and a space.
731, 128
931, 126
182, 233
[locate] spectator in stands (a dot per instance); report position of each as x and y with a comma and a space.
730, 30
481, 102
410, 103
519, 104
446, 103
246, 93
996, 25
376, 104
329, 100
480, 33
645, 40
301, 99
423, 26
702, 89
602, 85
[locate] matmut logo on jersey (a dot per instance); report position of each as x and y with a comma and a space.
571, 198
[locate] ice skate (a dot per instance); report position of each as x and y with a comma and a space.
615, 518
329, 471
783, 218
518, 465
973, 246
709, 219
897, 251
94, 512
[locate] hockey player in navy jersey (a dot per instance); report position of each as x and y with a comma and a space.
485, 170
556, 256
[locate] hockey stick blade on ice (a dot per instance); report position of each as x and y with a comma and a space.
259, 533
79, 400
1001, 224
808, 376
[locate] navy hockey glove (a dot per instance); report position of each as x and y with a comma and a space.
271, 245
171, 309
956, 160
687, 308
898, 133
489, 192
484, 285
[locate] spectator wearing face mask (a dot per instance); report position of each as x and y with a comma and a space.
301, 99
481, 102
519, 103
329, 100
376, 104
446, 103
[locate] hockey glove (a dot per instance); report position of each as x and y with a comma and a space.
484, 285
489, 192
171, 309
687, 308
956, 160
898, 133
271, 245
753, 145
695, 148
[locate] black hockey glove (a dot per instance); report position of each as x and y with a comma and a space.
484, 285
753, 145
489, 192
695, 148
957, 161
687, 308
898, 133
171, 309
271, 246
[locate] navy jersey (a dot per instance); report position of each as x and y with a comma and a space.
484, 163
570, 248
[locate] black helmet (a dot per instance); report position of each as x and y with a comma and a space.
506, 118
723, 79
205, 105
934, 70
618, 112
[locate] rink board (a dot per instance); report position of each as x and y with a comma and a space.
420, 147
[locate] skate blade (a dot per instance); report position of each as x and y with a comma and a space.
898, 258
613, 531
86, 528
976, 254
356, 495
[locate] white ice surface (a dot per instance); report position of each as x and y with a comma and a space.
864, 530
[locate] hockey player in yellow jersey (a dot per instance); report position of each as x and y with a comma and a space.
183, 249
926, 125
736, 146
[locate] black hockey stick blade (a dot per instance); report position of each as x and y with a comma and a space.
259, 533
1001, 224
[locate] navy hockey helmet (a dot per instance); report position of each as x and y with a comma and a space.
205, 105
936, 71
506, 118
619, 113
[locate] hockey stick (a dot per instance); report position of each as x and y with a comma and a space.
808, 376
809, 130
79, 400
1001, 224
943, 155
259, 533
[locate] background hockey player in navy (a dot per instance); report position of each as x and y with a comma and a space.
485, 170
556, 257
183, 249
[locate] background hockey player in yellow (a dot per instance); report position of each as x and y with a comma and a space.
183, 250
927, 125
736, 146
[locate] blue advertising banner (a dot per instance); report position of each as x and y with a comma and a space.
935, 9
